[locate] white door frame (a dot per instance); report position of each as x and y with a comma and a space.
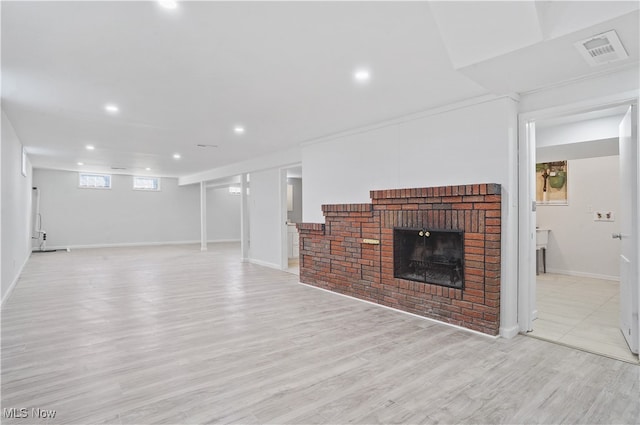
526, 189
526, 222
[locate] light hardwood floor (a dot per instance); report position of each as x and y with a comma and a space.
174, 335
581, 312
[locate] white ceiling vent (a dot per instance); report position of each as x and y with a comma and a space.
602, 48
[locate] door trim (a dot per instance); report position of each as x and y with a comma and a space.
526, 193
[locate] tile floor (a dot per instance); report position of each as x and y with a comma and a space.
581, 312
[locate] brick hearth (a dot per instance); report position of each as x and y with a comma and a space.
342, 255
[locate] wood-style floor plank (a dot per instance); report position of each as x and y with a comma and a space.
174, 335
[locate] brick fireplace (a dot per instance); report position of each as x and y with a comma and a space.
353, 252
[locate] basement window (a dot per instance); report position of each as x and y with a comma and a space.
95, 181
146, 183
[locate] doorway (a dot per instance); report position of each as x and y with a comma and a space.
576, 302
294, 216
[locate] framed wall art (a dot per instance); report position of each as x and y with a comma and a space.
552, 183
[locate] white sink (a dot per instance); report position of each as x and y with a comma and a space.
542, 238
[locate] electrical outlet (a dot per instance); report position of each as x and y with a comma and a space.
603, 216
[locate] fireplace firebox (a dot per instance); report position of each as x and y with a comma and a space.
429, 256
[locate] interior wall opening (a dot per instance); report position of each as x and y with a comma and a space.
294, 216
577, 262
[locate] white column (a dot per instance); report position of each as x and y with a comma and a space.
203, 216
244, 218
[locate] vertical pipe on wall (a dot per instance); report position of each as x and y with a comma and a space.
203, 216
244, 218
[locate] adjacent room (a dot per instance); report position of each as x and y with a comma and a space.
578, 264
319, 212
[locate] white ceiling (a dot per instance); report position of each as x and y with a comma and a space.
281, 69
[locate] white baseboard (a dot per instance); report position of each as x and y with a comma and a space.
6, 296
122, 245
405, 312
135, 244
583, 274
264, 264
509, 332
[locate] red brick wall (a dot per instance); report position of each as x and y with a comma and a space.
336, 255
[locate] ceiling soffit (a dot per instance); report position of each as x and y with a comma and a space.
475, 32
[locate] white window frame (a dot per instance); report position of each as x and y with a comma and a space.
81, 186
156, 189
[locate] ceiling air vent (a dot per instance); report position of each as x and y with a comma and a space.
118, 168
602, 48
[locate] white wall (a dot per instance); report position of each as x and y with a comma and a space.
463, 146
266, 221
578, 245
74, 217
16, 209
223, 215
576, 132
580, 150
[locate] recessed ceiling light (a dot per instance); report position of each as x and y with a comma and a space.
148, 169
80, 163
90, 147
111, 108
176, 156
238, 129
168, 4
362, 75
